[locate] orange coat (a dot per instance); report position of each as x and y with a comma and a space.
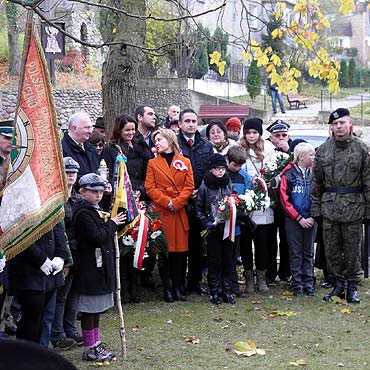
162, 184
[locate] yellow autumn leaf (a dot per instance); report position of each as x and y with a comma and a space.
324, 22
270, 68
276, 60
345, 311
297, 363
281, 5
248, 345
336, 299
221, 67
347, 6
287, 293
262, 60
114, 30
215, 57
247, 56
277, 33
248, 348
285, 313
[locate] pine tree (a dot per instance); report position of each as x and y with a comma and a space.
343, 74
351, 72
254, 80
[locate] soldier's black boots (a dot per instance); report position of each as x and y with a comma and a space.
338, 291
352, 296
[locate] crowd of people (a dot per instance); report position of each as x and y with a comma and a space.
323, 192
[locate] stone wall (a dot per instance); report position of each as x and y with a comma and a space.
67, 102
159, 93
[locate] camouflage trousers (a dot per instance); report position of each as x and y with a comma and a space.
343, 249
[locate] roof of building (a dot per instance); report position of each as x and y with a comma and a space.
341, 29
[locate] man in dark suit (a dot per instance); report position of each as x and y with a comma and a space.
199, 151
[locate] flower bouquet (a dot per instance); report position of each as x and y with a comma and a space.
240, 206
146, 234
272, 170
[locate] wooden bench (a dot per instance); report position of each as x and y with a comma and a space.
223, 111
296, 101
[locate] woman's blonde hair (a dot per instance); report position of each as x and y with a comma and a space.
302, 149
258, 148
170, 136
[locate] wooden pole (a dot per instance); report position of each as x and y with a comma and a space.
122, 329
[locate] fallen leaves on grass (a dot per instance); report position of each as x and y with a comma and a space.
256, 302
346, 311
335, 299
287, 293
282, 313
135, 328
190, 339
248, 348
297, 363
218, 319
169, 321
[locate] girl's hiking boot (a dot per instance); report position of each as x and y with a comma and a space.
93, 355
102, 349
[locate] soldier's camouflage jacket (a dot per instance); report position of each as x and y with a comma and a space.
341, 164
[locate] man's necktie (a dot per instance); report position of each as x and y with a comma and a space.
190, 142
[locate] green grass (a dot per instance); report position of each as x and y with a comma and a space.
319, 333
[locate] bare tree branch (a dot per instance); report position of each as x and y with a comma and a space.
35, 4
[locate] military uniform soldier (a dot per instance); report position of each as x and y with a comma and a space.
340, 193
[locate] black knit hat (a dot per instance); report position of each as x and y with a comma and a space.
253, 123
338, 113
217, 160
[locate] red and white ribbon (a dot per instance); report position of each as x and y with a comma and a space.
141, 241
229, 230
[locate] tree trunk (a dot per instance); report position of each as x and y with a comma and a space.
121, 68
14, 57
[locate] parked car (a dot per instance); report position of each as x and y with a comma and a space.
314, 136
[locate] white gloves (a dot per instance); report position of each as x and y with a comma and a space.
47, 267
57, 263
2, 263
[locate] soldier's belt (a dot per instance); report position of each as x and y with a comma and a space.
343, 189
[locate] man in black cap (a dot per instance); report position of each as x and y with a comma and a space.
340, 192
279, 137
100, 126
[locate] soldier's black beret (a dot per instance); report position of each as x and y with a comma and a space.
338, 113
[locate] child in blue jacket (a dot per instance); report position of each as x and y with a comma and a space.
236, 157
300, 226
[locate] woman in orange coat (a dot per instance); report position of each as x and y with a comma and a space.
169, 183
